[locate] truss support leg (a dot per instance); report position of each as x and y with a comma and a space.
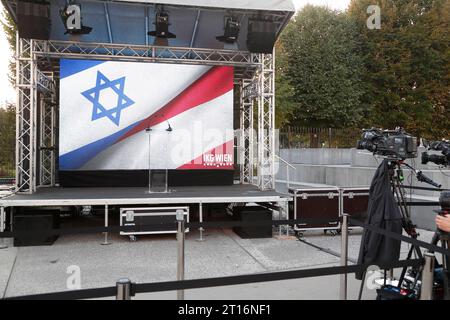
3, 245
266, 123
248, 93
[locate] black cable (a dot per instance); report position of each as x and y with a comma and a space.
329, 251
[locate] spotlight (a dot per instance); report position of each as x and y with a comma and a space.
231, 30
162, 26
71, 17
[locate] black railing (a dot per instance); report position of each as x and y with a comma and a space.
304, 137
230, 280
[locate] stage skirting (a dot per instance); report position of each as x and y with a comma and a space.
139, 178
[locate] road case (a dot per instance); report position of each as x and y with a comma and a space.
158, 216
355, 201
317, 203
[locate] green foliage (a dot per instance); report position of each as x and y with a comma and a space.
336, 72
407, 64
9, 29
7, 139
284, 98
322, 69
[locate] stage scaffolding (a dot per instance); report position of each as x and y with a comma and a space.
37, 72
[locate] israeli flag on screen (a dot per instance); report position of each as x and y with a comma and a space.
106, 107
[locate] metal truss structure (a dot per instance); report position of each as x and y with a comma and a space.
246, 137
266, 123
47, 132
37, 74
35, 120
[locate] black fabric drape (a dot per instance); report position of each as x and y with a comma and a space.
382, 212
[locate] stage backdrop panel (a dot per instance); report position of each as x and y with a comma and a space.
106, 107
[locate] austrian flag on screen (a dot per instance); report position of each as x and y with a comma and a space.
106, 109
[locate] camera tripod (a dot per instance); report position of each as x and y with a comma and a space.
444, 239
396, 179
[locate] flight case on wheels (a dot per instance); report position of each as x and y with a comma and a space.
162, 220
355, 201
319, 203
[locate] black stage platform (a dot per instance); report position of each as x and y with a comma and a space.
58, 196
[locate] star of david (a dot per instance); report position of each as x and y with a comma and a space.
93, 95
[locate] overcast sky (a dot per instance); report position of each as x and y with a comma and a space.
333, 4
7, 92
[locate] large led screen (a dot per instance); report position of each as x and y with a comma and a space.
133, 116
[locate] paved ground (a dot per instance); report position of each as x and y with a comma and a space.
30, 270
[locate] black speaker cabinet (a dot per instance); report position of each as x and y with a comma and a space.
252, 214
33, 19
261, 36
28, 226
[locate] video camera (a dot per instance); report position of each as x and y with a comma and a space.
444, 147
391, 143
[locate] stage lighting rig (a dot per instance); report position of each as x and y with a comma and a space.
162, 26
231, 30
71, 17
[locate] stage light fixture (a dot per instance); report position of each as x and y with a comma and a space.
231, 30
162, 26
71, 17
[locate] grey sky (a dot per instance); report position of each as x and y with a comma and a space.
7, 92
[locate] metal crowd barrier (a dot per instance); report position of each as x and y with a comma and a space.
125, 289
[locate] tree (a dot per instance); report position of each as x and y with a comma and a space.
9, 28
7, 139
284, 98
407, 65
323, 69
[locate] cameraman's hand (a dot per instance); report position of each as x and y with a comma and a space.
443, 222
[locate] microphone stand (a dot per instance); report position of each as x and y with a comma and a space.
168, 130
148, 130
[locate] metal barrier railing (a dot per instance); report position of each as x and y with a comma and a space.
288, 165
125, 289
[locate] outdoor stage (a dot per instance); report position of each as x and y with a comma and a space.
167, 86
58, 196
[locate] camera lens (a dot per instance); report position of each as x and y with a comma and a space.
360, 144
425, 158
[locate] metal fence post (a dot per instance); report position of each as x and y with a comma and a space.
344, 256
426, 289
2, 227
105, 241
200, 218
287, 176
123, 289
180, 240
